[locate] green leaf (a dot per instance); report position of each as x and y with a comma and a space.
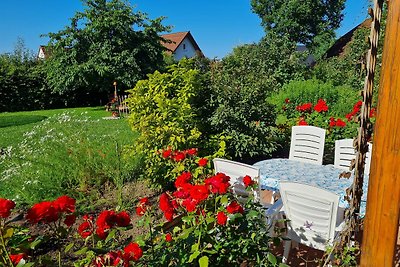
271, 258
68, 248
203, 261
195, 247
252, 214
283, 265
224, 200
194, 255
8, 233
111, 235
81, 251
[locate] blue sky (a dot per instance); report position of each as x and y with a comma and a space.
216, 25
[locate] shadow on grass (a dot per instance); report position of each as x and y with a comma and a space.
12, 120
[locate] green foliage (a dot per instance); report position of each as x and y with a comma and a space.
101, 45
299, 19
65, 153
163, 111
241, 83
22, 82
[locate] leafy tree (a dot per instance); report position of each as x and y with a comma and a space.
302, 20
106, 42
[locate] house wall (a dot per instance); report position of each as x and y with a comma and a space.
41, 54
188, 52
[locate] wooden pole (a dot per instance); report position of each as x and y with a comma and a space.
382, 215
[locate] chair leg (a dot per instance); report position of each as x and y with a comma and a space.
286, 250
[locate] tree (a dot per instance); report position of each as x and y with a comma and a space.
106, 42
301, 20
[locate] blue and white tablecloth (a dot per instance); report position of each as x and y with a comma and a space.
324, 176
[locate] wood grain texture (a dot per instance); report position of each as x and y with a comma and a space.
382, 215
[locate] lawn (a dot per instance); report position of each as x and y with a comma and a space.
50, 152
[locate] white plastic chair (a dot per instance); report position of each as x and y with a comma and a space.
307, 144
236, 171
345, 153
313, 215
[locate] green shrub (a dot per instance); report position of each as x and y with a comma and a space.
164, 110
241, 83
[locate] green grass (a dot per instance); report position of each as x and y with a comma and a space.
65, 151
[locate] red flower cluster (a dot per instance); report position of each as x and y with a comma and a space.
51, 211
355, 111
218, 183
337, 123
183, 180
321, 106
6, 206
131, 252
142, 206
247, 181
86, 228
167, 207
177, 155
109, 218
305, 107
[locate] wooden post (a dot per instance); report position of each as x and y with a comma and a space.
382, 215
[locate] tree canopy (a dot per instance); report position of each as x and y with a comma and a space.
301, 20
106, 42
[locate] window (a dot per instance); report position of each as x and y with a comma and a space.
184, 46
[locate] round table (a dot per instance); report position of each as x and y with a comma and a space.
272, 171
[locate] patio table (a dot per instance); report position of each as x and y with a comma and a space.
272, 171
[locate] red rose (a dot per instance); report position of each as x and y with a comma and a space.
16, 258
190, 204
321, 106
122, 219
179, 156
199, 192
70, 220
42, 212
305, 107
302, 122
202, 162
219, 183
144, 201
132, 252
191, 151
64, 204
168, 237
234, 207
183, 179
166, 206
332, 122
166, 153
340, 123
247, 181
112, 258
6, 206
85, 229
221, 218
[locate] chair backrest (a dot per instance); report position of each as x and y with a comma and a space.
236, 171
345, 153
311, 212
307, 144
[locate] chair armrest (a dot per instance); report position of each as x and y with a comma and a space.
274, 209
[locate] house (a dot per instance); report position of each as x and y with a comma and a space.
181, 44
43, 52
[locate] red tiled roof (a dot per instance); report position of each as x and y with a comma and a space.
176, 39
